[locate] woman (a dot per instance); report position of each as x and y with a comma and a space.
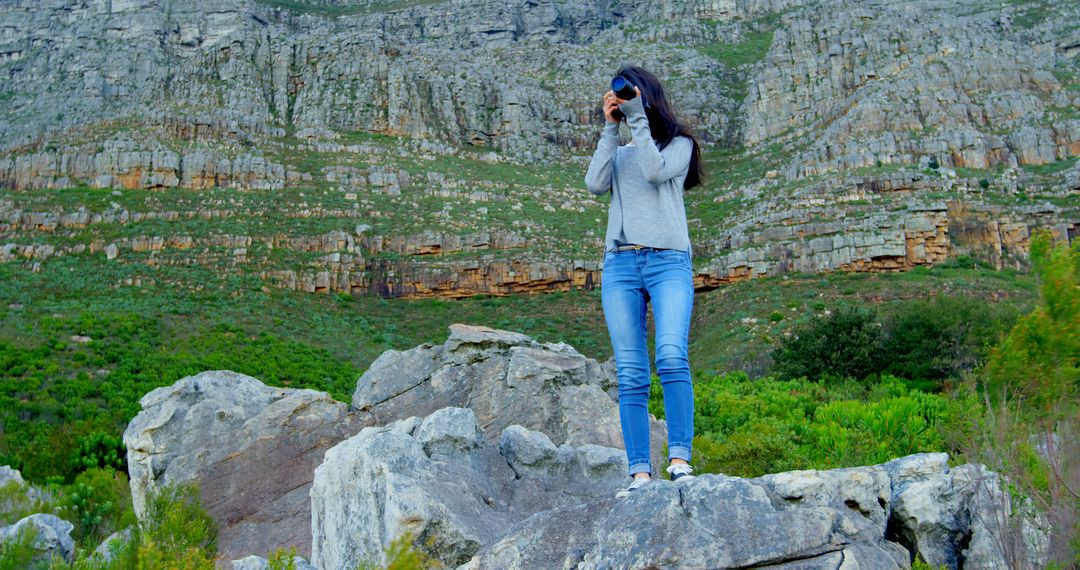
647, 258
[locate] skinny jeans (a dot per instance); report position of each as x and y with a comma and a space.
630, 280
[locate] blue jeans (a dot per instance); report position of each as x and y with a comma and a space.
630, 280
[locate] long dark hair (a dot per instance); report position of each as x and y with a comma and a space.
663, 122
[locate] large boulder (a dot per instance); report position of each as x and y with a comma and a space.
51, 536
505, 378
525, 502
251, 449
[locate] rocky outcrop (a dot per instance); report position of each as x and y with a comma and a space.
505, 378
969, 88
225, 431
125, 164
442, 480
492, 450
961, 517
51, 536
526, 503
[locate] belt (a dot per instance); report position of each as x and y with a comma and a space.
635, 246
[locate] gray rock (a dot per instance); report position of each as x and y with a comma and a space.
448, 485
226, 432
960, 517
12, 477
52, 536
865, 490
505, 378
725, 522
104, 551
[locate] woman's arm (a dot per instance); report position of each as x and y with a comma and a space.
657, 166
598, 178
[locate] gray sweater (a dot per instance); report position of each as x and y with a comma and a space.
646, 184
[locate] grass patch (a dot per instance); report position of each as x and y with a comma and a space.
751, 49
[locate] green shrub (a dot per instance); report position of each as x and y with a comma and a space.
943, 337
176, 523
98, 503
100, 449
750, 428
847, 343
282, 559
402, 555
1039, 361
15, 503
1031, 385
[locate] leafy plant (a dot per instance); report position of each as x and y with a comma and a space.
100, 449
846, 343
98, 503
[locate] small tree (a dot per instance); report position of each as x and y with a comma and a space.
846, 343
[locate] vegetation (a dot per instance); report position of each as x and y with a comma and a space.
751, 49
750, 428
1030, 387
176, 533
932, 340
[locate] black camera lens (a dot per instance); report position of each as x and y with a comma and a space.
623, 88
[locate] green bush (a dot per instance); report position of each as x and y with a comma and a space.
1031, 386
175, 522
846, 343
61, 415
282, 559
100, 449
15, 503
98, 503
1039, 361
944, 337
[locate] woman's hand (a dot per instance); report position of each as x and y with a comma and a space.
611, 102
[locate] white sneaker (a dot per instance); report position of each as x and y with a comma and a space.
678, 471
636, 484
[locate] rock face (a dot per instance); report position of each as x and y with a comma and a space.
857, 114
52, 536
251, 449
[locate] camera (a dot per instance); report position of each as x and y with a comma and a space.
624, 89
